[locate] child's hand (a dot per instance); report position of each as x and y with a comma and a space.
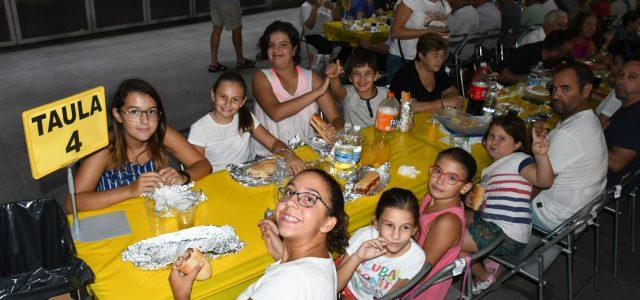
371, 249
294, 164
181, 283
171, 176
540, 143
146, 183
334, 70
331, 133
271, 237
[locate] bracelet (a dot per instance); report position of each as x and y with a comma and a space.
185, 174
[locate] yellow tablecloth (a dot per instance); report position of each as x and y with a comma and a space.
333, 31
230, 203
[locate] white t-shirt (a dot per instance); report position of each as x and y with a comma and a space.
618, 9
548, 6
324, 15
304, 278
579, 157
422, 12
355, 109
374, 278
223, 144
609, 105
536, 35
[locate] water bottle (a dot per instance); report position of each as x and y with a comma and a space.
356, 142
490, 102
535, 77
343, 153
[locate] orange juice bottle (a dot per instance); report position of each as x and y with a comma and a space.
386, 114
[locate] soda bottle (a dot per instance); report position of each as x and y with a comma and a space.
479, 89
386, 114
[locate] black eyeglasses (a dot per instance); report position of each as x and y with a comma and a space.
135, 115
305, 199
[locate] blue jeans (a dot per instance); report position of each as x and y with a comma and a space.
394, 63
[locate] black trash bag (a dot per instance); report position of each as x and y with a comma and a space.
37, 254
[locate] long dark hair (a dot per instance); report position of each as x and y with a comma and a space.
515, 127
400, 199
576, 25
338, 237
117, 141
245, 121
286, 28
462, 157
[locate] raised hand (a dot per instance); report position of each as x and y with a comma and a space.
271, 237
371, 249
540, 143
334, 70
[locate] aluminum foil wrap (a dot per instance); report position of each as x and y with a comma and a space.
176, 196
349, 191
160, 251
541, 116
406, 117
239, 173
316, 143
296, 142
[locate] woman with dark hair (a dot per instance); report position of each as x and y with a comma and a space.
135, 160
425, 78
310, 222
583, 28
288, 95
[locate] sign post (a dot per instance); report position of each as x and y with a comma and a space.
61, 132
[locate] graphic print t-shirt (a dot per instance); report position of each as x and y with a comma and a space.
374, 278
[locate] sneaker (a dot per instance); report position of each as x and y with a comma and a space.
479, 286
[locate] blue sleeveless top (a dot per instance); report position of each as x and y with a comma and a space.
123, 176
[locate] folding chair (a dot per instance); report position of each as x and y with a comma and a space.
487, 50
561, 236
628, 185
396, 294
454, 61
451, 270
38, 258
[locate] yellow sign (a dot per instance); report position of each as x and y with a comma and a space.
64, 131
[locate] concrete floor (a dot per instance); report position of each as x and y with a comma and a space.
175, 60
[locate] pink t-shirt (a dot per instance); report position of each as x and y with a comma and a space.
439, 290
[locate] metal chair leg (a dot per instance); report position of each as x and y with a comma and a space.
632, 202
616, 227
570, 266
596, 256
540, 277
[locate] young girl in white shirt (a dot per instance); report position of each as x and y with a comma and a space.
383, 256
224, 134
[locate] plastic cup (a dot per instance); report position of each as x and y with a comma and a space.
159, 222
185, 215
433, 127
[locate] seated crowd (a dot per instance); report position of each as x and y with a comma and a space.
536, 178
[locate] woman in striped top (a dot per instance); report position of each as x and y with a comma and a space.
508, 184
135, 161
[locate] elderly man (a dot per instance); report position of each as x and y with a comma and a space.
554, 20
621, 133
489, 14
518, 64
577, 150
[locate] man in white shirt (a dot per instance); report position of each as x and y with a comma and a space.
549, 5
554, 20
464, 19
489, 14
577, 150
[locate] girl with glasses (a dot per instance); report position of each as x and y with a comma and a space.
442, 217
135, 161
310, 222
224, 134
508, 184
383, 257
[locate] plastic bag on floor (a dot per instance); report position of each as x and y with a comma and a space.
37, 254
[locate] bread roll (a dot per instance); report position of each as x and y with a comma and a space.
189, 260
367, 183
318, 124
263, 169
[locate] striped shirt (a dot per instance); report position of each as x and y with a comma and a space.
123, 176
507, 196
